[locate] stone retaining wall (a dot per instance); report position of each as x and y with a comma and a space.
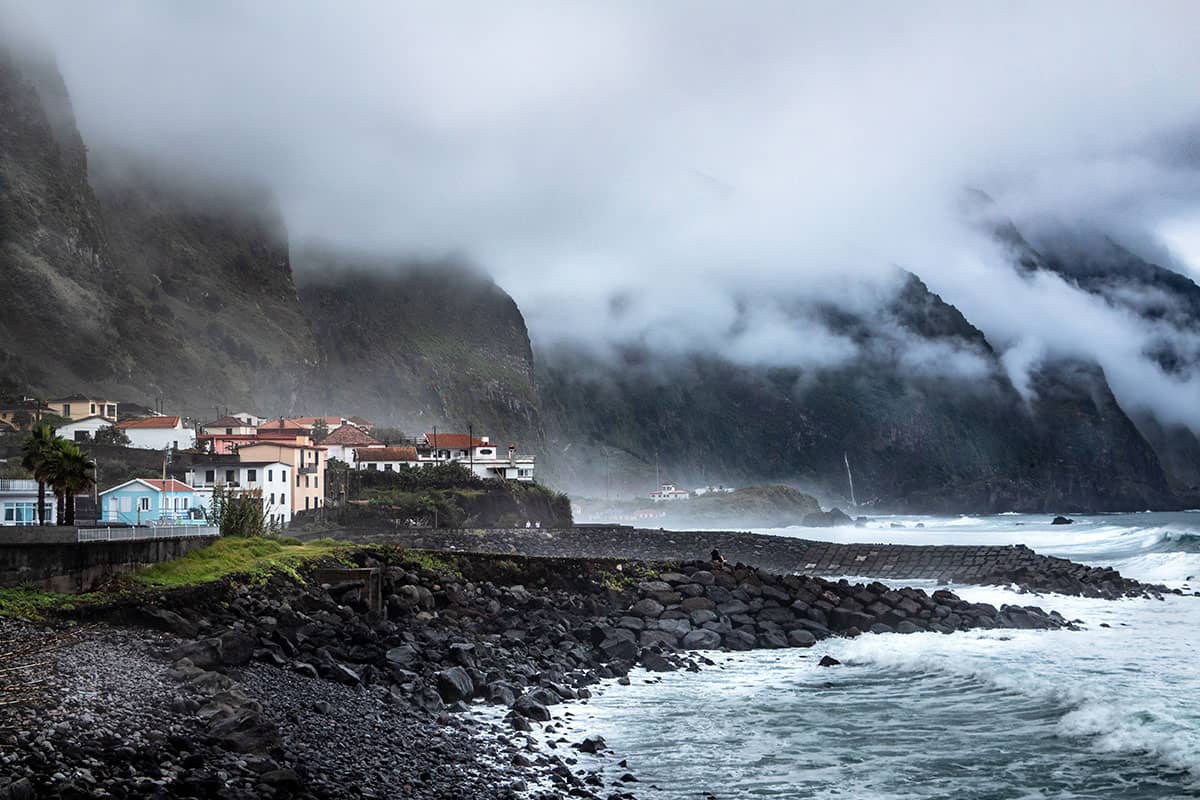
56, 562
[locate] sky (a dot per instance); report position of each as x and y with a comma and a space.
662, 172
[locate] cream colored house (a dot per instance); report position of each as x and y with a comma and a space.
81, 406
307, 462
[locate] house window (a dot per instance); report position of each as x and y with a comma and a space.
306, 504
185, 503
252, 475
210, 476
272, 498
110, 411
126, 505
229, 431
373, 467
306, 486
270, 475
387, 467
143, 504
297, 480
230, 475
81, 436
485, 452
93, 411
67, 410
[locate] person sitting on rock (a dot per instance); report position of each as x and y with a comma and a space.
717, 557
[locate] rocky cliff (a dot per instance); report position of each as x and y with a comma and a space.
55, 268
419, 345
138, 281
915, 440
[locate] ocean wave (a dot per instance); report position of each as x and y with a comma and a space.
1100, 694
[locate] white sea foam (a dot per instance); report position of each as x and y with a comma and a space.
1109, 711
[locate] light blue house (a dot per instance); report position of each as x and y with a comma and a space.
146, 501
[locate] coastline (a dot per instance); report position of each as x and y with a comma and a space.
283, 689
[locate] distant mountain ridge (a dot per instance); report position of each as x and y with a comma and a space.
135, 285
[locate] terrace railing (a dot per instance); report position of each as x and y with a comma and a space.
141, 534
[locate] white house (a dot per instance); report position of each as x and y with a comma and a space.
83, 430
229, 426
345, 439
269, 477
668, 493
385, 459
18, 503
157, 433
476, 453
250, 419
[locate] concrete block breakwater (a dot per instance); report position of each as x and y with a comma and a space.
962, 564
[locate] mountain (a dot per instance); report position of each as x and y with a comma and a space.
1167, 301
915, 440
419, 345
131, 279
140, 282
54, 260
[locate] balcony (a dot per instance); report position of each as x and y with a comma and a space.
311, 469
20, 485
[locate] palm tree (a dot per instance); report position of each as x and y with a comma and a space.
71, 471
36, 452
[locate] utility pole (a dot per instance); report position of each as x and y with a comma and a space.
471, 446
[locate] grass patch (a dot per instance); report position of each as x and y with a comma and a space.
256, 557
24, 602
423, 559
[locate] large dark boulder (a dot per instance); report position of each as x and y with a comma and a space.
454, 684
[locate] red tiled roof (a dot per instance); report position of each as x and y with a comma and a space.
308, 422
362, 423
350, 435
150, 422
227, 422
282, 425
389, 454
169, 485
273, 443
454, 440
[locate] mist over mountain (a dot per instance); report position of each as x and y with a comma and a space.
722, 246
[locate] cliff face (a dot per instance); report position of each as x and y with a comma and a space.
915, 440
55, 267
420, 345
208, 309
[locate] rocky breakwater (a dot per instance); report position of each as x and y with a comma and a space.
296, 689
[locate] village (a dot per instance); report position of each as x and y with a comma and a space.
282, 462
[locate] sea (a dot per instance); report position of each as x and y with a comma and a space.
1108, 711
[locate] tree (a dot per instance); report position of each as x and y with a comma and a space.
320, 430
111, 434
70, 471
240, 513
36, 453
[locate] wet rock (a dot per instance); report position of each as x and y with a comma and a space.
454, 684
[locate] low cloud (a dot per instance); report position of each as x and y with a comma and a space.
652, 173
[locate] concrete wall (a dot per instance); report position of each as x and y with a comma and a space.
52, 559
